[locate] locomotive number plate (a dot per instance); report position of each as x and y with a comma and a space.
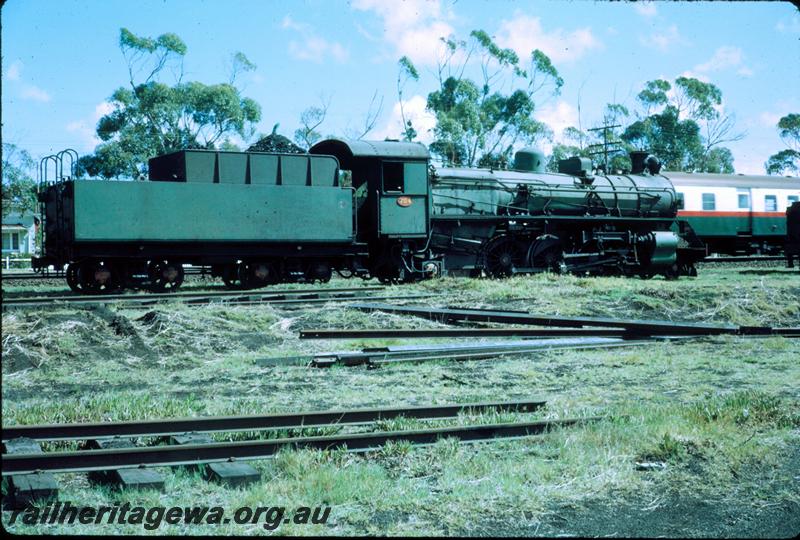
404, 201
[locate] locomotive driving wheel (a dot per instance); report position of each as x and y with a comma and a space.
164, 275
502, 254
546, 253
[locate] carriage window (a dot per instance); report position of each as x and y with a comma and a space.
792, 199
770, 203
709, 201
680, 200
393, 176
744, 200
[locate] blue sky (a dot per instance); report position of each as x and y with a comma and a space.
61, 59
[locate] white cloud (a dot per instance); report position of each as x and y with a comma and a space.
558, 116
663, 41
311, 46
646, 9
412, 28
689, 74
29, 92
414, 108
85, 128
724, 58
769, 119
13, 71
524, 34
34, 93
792, 26
101, 109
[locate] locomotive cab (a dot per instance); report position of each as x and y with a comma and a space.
392, 191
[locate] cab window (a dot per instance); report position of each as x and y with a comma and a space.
393, 180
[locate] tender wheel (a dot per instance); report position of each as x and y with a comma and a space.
502, 255
230, 276
97, 277
257, 274
72, 278
165, 276
318, 271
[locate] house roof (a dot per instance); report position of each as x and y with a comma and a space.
21, 220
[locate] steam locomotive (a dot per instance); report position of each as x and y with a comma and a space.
360, 208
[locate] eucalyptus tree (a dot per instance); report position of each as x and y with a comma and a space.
787, 160
478, 122
158, 112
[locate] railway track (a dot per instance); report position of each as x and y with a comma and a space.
744, 259
631, 327
276, 297
31, 275
32, 461
230, 424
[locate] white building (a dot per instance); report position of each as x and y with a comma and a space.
19, 234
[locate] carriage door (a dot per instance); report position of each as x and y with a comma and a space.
403, 206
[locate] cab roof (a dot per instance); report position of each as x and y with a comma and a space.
377, 149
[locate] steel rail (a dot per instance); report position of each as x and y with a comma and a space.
386, 356
119, 458
633, 326
61, 274
322, 299
189, 295
396, 333
220, 424
744, 258
378, 359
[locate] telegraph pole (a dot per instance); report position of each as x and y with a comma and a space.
606, 144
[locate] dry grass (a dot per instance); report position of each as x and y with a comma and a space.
721, 413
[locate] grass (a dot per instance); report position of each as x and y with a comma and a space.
722, 414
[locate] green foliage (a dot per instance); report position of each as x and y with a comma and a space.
699, 98
789, 128
166, 42
718, 161
676, 142
654, 93
475, 122
152, 117
407, 68
787, 160
19, 188
407, 71
687, 131
573, 146
310, 120
748, 407
784, 161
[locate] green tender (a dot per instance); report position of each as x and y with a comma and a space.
178, 211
